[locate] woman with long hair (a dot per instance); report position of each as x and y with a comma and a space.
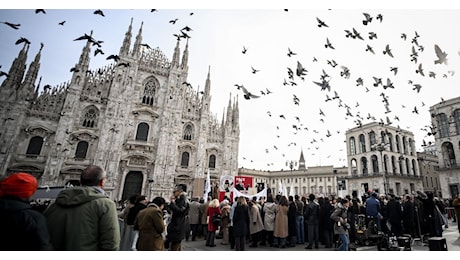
240, 223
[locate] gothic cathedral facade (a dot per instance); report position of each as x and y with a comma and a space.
136, 118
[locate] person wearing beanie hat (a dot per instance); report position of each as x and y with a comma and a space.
22, 227
84, 218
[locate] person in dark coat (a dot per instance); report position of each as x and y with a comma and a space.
327, 225
22, 227
428, 213
179, 207
394, 215
312, 215
151, 226
292, 221
240, 223
140, 204
408, 216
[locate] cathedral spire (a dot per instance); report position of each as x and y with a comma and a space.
17, 69
301, 161
184, 64
31, 75
124, 50
176, 56
236, 113
138, 42
207, 87
229, 111
83, 63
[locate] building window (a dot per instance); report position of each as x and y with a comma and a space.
362, 143
443, 125
448, 155
82, 149
142, 132
375, 164
393, 165
188, 132
390, 141
372, 139
398, 147
408, 171
184, 160
35, 146
404, 145
212, 161
457, 120
90, 117
365, 171
352, 146
149, 92
414, 167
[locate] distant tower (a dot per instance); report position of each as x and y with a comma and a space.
302, 161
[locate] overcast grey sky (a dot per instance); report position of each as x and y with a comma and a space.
217, 40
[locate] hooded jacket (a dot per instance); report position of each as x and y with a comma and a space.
83, 219
22, 227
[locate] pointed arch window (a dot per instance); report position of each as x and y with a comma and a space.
142, 132
188, 132
149, 92
82, 149
212, 161
35, 146
185, 160
90, 117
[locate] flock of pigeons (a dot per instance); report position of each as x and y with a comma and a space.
298, 75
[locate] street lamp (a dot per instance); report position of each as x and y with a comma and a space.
382, 147
291, 164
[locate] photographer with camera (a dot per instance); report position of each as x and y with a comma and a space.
341, 226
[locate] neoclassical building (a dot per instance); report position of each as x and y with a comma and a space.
137, 118
319, 180
382, 158
445, 119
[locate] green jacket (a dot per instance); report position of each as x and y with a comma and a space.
83, 219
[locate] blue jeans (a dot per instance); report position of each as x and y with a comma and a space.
345, 242
300, 230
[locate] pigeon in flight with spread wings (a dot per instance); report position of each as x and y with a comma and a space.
99, 12
12, 25
388, 51
420, 70
248, 95
328, 44
300, 71
369, 49
368, 18
321, 23
290, 53
442, 56
323, 84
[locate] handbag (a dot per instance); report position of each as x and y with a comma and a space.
216, 218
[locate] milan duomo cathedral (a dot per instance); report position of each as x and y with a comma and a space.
136, 118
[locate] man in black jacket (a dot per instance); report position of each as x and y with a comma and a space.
22, 227
179, 206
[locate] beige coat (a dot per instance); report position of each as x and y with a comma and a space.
150, 224
255, 220
281, 222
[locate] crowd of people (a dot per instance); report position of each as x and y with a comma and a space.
83, 218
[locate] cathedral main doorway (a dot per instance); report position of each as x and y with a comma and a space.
133, 184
